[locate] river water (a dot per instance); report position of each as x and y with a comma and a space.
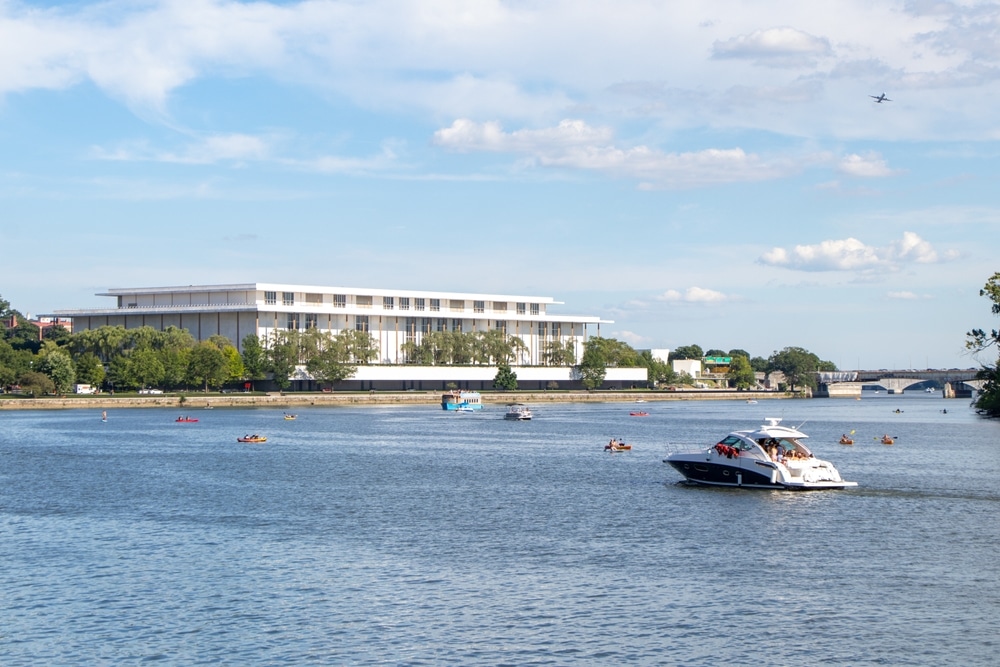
407, 535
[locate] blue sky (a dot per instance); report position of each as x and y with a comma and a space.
712, 173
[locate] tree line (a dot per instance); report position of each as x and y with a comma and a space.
115, 358
798, 365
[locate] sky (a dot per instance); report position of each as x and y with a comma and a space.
713, 173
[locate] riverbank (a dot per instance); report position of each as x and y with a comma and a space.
288, 400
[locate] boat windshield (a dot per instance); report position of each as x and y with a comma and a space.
737, 442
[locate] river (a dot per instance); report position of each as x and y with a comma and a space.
407, 535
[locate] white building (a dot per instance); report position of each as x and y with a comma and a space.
392, 317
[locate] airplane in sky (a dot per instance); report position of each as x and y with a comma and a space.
880, 98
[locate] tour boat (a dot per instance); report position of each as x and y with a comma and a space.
453, 400
185, 420
252, 438
518, 412
768, 457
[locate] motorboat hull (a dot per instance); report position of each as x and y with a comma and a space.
761, 476
716, 474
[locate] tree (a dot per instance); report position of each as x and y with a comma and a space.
687, 352
254, 358
593, 366
58, 365
741, 373
234, 362
658, 372
207, 366
57, 333
505, 378
978, 341
145, 368
89, 369
559, 353
36, 384
283, 356
798, 365
329, 360
716, 353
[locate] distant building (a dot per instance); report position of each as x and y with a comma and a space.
392, 317
661, 354
690, 366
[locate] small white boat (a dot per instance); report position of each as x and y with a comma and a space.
518, 412
769, 457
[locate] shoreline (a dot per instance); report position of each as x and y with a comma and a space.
201, 401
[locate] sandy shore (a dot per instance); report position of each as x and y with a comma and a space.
188, 401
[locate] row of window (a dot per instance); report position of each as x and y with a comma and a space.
412, 325
404, 303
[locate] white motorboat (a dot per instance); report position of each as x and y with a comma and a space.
769, 457
518, 412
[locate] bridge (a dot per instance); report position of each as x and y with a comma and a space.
955, 382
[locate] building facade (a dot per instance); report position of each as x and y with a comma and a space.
392, 317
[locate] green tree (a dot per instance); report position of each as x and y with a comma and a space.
716, 353
360, 347
36, 384
283, 356
254, 358
145, 368
329, 361
559, 353
978, 341
57, 333
89, 369
687, 352
505, 378
594, 364
207, 366
24, 335
658, 372
741, 373
234, 362
798, 365
58, 365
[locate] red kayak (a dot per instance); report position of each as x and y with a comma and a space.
638, 414
185, 420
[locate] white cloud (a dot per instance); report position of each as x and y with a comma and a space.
574, 144
912, 248
870, 165
904, 295
204, 150
465, 135
777, 47
852, 255
693, 295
